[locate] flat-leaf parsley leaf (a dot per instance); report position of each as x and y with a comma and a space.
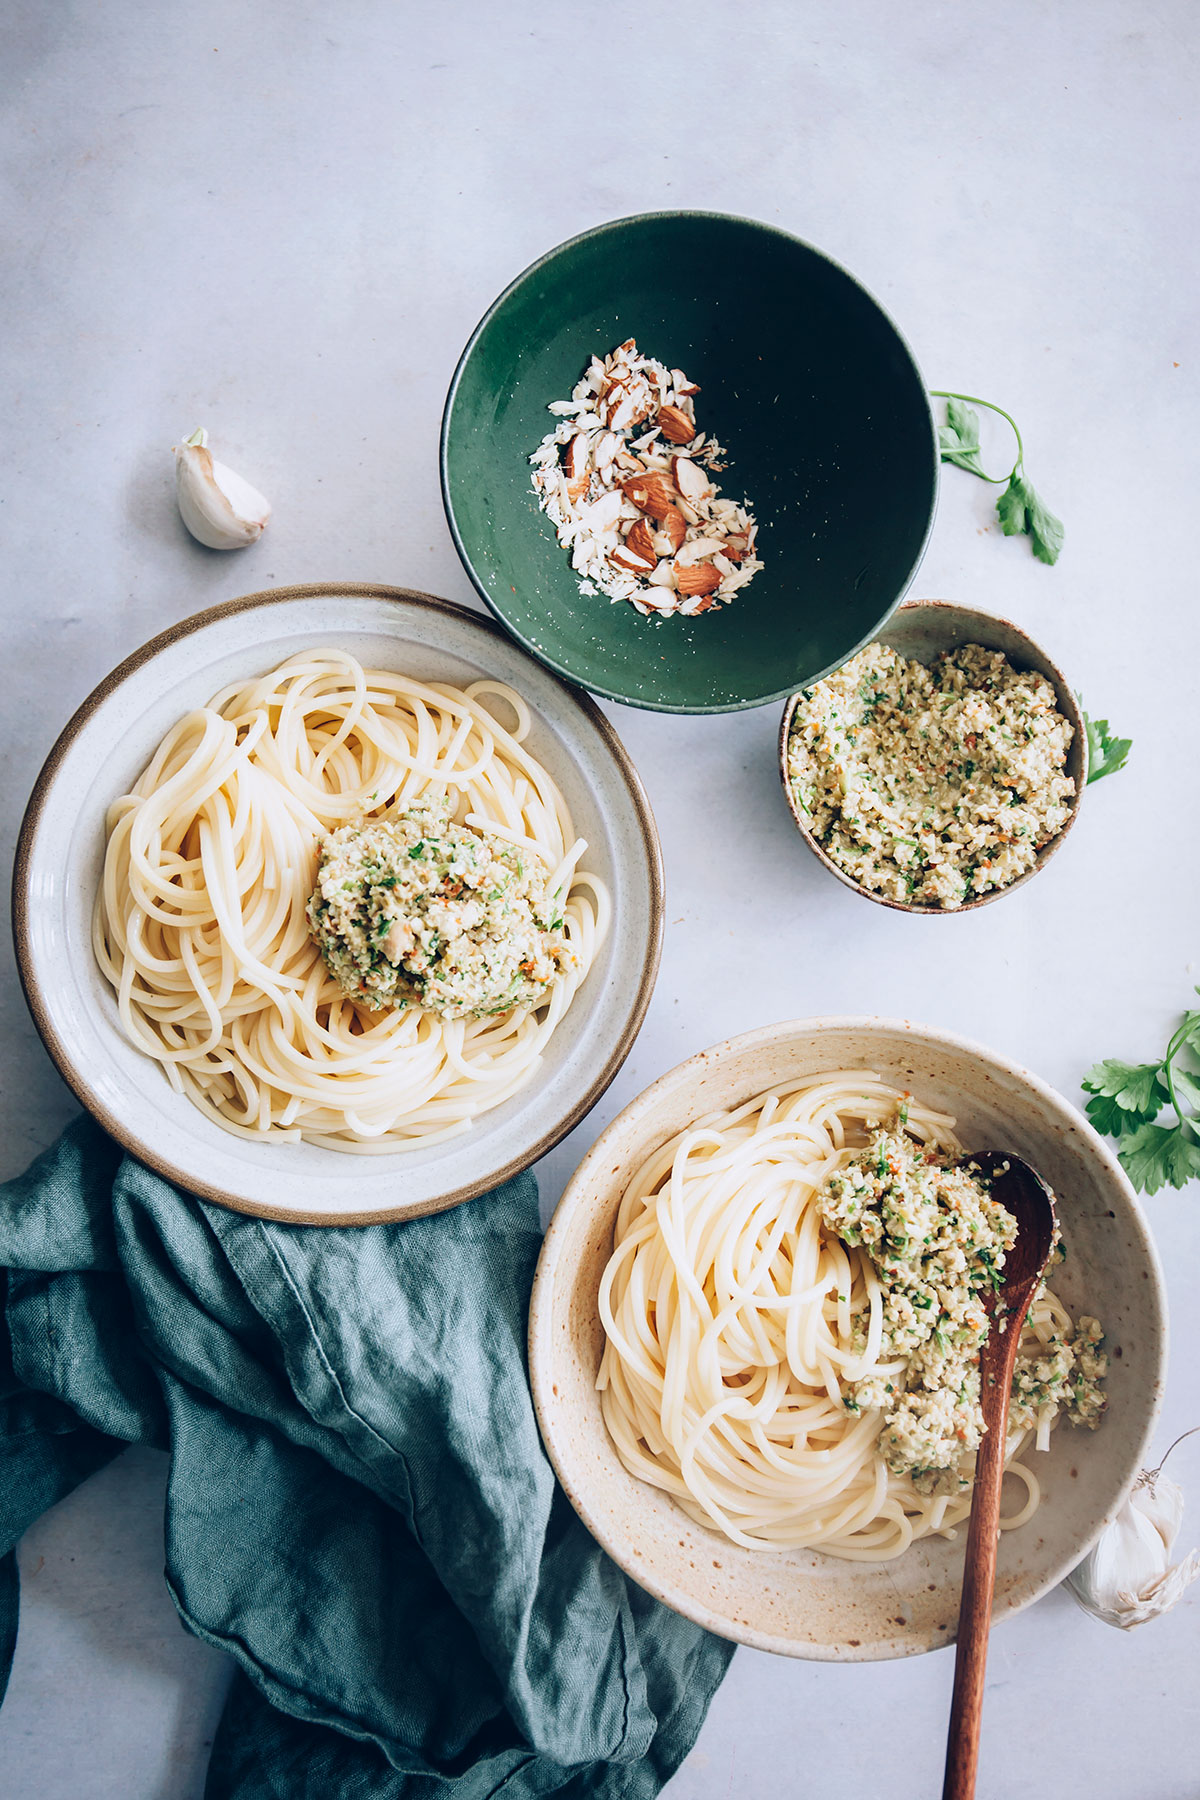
958, 438
1020, 508
1128, 1094
1106, 754
1127, 1098
1161, 1156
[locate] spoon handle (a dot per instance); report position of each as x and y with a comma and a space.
975, 1612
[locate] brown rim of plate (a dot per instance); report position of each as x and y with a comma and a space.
54, 1045
1067, 705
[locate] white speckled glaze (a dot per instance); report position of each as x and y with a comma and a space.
801, 1603
921, 630
103, 750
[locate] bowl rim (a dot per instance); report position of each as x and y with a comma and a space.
594, 231
541, 1335
77, 1080
1068, 703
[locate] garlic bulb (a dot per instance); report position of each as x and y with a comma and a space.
1127, 1577
217, 506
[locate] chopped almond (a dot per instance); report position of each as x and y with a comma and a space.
638, 565
640, 543
695, 578
675, 425
575, 456
622, 410
700, 549
651, 493
690, 479
629, 483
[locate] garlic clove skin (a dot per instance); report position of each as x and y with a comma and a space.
217, 506
1127, 1579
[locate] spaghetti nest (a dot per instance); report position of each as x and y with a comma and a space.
200, 922
781, 1381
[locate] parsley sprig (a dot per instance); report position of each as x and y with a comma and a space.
1106, 754
1127, 1099
1020, 508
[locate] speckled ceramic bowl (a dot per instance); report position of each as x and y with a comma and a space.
103, 750
802, 1603
921, 630
807, 383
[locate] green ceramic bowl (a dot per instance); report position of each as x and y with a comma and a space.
804, 379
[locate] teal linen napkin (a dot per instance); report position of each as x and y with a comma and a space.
359, 1509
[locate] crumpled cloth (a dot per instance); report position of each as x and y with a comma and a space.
359, 1509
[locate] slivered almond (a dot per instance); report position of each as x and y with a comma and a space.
681, 384
690, 479
637, 564
603, 513
695, 578
578, 488
575, 456
699, 548
675, 425
606, 448
651, 493
674, 528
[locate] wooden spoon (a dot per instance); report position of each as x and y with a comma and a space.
1023, 1193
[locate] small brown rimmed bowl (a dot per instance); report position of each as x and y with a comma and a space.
921, 630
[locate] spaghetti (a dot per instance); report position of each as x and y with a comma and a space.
200, 924
741, 1332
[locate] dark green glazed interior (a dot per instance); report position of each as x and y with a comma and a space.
803, 378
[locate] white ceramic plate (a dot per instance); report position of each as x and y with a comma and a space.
802, 1603
103, 750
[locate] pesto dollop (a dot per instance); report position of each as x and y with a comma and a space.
937, 1241
419, 909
